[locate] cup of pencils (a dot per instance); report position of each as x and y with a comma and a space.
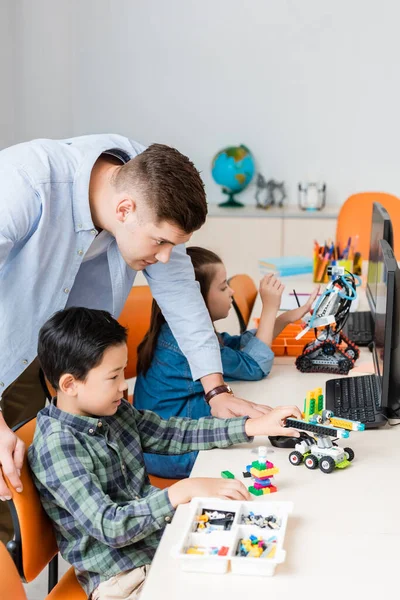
331, 254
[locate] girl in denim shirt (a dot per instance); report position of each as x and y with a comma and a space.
164, 383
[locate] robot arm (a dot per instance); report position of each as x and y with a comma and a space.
334, 304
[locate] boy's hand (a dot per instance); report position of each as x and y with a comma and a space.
273, 423
298, 313
271, 289
186, 489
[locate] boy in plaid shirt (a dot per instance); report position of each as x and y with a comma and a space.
87, 455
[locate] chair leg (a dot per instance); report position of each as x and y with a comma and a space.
53, 573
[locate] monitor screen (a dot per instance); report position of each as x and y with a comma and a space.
381, 229
394, 378
386, 267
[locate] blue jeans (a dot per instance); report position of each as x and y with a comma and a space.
175, 466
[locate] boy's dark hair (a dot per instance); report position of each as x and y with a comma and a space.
74, 341
170, 183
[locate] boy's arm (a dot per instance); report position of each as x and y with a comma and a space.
245, 357
64, 470
178, 435
19, 210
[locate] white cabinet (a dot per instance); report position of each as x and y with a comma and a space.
240, 242
299, 234
242, 236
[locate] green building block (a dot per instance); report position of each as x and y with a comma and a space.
227, 475
255, 492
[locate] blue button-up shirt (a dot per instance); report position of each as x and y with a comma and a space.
45, 230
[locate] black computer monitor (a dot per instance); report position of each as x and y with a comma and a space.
381, 230
394, 378
386, 269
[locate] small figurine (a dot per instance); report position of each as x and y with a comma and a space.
275, 192
213, 520
322, 452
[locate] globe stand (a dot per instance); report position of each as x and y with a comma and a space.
231, 202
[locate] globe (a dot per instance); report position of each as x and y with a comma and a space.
233, 168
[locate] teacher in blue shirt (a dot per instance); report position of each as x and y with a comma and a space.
78, 219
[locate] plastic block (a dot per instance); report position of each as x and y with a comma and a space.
227, 475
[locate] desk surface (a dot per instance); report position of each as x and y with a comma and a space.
343, 537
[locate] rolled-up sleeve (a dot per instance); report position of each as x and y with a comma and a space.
178, 295
245, 357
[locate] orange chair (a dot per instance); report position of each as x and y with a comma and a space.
10, 583
245, 294
34, 545
135, 317
355, 219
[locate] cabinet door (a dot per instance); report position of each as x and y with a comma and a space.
241, 241
299, 234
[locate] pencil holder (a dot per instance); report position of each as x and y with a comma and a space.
320, 268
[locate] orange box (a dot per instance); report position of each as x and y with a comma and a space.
278, 347
295, 347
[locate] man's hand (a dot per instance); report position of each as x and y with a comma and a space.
273, 422
12, 451
186, 489
225, 406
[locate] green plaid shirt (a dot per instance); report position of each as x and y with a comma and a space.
93, 485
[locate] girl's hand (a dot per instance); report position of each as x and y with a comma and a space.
298, 313
271, 289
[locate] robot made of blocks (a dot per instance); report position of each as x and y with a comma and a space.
331, 351
262, 471
320, 450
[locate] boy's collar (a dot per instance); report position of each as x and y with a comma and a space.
89, 425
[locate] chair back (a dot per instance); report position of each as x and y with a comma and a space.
355, 218
34, 543
244, 296
11, 587
136, 318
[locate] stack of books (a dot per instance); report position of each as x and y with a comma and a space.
286, 265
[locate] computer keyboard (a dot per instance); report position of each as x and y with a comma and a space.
359, 328
356, 398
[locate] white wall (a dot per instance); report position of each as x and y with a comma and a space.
6, 73
311, 87
45, 68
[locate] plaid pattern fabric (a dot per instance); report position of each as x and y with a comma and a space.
93, 485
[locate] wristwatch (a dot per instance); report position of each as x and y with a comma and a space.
220, 389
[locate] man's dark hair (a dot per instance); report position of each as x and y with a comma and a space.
170, 183
74, 341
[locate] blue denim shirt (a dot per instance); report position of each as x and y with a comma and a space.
168, 389
45, 230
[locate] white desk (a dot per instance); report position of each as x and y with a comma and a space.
343, 538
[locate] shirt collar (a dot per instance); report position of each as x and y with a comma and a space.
89, 425
80, 196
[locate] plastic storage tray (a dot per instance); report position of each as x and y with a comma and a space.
230, 539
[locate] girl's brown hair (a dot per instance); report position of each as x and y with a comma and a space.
203, 262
